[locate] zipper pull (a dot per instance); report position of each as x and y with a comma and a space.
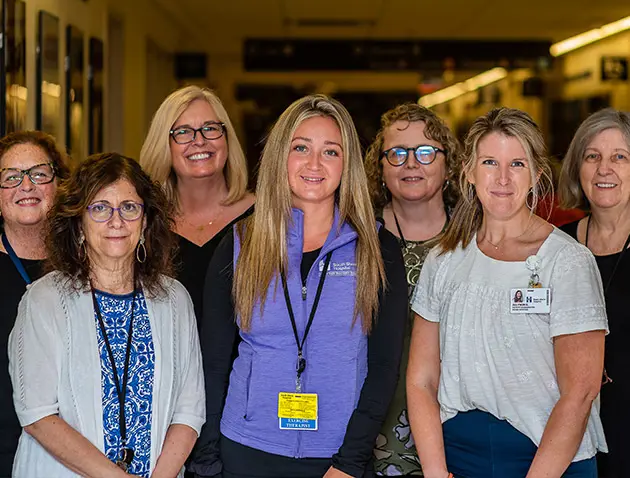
303, 292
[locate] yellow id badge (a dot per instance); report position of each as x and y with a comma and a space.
297, 411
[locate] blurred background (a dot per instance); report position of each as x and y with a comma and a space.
93, 72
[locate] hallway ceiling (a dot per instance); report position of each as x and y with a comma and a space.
222, 26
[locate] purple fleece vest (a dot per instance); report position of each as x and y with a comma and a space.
335, 351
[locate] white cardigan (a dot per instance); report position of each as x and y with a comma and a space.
55, 368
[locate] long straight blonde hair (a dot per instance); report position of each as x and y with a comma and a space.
264, 234
468, 215
155, 156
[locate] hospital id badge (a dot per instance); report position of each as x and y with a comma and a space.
297, 411
530, 301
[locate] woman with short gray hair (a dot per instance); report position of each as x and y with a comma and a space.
596, 176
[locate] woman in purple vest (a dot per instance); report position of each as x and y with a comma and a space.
314, 296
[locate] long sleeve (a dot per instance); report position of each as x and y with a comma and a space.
218, 334
384, 352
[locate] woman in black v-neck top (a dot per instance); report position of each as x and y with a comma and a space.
596, 175
192, 150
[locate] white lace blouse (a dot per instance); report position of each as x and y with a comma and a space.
503, 363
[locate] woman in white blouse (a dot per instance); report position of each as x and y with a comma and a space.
498, 388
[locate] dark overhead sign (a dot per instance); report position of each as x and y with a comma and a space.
614, 68
376, 55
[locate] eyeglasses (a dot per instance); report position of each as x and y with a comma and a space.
425, 154
185, 135
39, 174
128, 211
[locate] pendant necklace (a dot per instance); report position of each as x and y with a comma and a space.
201, 227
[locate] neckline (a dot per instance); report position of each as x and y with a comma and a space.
23, 259
230, 224
498, 261
128, 295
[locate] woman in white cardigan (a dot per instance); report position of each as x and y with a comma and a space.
104, 356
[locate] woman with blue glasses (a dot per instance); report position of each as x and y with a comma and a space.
104, 356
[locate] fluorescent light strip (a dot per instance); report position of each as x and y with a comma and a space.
450, 93
591, 36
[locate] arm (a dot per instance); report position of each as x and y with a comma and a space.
423, 378
217, 335
579, 360
178, 443
72, 449
384, 351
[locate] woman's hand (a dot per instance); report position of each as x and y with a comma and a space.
335, 473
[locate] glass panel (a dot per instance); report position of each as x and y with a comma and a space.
75, 111
95, 86
48, 75
15, 65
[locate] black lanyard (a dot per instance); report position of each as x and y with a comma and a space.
127, 453
623, 251
15, 259
300, 365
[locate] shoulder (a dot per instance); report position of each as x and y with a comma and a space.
50, 285
571, 228
565, 252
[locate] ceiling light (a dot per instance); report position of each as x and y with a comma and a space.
578, 41
447, 94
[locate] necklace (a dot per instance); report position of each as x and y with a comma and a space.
201, 227
496, 246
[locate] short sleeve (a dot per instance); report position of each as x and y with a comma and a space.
425, 300
577, 297
34, 363
190, 405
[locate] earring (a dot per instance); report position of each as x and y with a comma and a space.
142, 247
446, 183
82, 248
530, 194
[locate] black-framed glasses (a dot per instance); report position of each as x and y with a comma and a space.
186, 134
43, 173
103, 212
424, 154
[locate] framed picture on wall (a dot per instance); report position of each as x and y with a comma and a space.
75, 94
14, 74
48, 77
95, 96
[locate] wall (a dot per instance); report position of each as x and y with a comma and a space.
138, 23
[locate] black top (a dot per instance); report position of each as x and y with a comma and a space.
384, 342
12, 288
192, 263
615, 396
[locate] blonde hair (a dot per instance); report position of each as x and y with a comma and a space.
435, 129
569, 188
155, 156
266, 230
468, 214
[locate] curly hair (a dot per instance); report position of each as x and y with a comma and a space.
45, 142
66, 216
435, 129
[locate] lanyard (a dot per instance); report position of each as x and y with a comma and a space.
400, 233
15, 259
300, 365
623, 251
127, 453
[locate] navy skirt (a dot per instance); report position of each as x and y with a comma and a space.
479, 445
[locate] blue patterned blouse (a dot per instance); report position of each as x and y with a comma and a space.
116, 312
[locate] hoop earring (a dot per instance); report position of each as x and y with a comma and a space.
445, 187
530, 194
82, 247
144, 250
